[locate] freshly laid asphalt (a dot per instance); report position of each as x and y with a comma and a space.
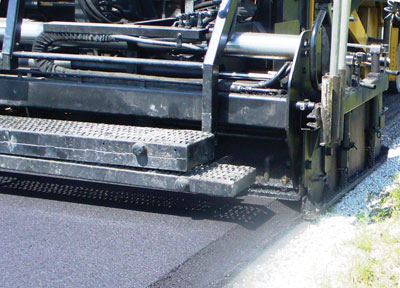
61, 233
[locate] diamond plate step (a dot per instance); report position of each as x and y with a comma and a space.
214, 179
155, 148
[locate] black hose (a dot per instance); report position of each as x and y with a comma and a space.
313, 50
155, 42
285, 69
263, 87
93, 12
46, 40
253, 90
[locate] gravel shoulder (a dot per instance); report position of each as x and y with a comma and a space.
312, 253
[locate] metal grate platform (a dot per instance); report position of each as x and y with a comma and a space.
214, 179
155, 148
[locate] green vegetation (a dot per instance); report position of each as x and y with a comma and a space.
375, 250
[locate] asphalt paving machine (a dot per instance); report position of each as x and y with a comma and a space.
226, 98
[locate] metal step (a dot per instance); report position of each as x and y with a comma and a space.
154, 148
214, 179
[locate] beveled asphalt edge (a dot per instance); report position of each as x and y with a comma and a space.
218, 262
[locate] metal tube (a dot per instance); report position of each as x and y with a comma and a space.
106, 59
30, 30
361, 46
333, 69
245, 76
375, 63
367, 85
344, 33
387, 30
263, 44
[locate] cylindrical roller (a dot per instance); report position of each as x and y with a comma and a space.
30, 30
268, 45
344, 31
335, 38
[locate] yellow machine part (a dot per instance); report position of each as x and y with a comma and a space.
368, 23
357, 30
393, 47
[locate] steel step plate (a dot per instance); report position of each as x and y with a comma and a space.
214, 179
155, 148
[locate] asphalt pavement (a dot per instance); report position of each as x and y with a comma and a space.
61, 233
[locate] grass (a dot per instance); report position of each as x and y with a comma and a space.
374, 260
363, 272
364, 243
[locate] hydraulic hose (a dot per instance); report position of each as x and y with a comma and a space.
154, 42
46, 40
284, 71
313, 50
92, 12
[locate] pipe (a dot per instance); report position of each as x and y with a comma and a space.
245, 76
313, 50
154, 42
30, 30
344, 33
107, 59
285, 70
333, 69
263, 44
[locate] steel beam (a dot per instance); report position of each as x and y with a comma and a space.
357, 96
161, 99
220, 36
12, 33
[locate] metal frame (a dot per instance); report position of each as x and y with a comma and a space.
221, 34
158, 98
193, 34
210, 179
12, 33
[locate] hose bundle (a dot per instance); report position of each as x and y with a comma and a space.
108, 12
46, 40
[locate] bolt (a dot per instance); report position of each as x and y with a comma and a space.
139, 149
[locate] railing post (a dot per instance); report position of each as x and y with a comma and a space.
12, 33
224, 26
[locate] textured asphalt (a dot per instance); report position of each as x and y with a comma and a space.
60, 233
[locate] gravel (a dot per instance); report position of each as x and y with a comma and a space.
308, 255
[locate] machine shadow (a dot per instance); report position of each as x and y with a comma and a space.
198, 207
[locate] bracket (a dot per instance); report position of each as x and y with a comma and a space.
224, 26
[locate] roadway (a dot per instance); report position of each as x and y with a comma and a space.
60, 233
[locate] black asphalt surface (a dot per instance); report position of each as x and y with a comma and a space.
60, 233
